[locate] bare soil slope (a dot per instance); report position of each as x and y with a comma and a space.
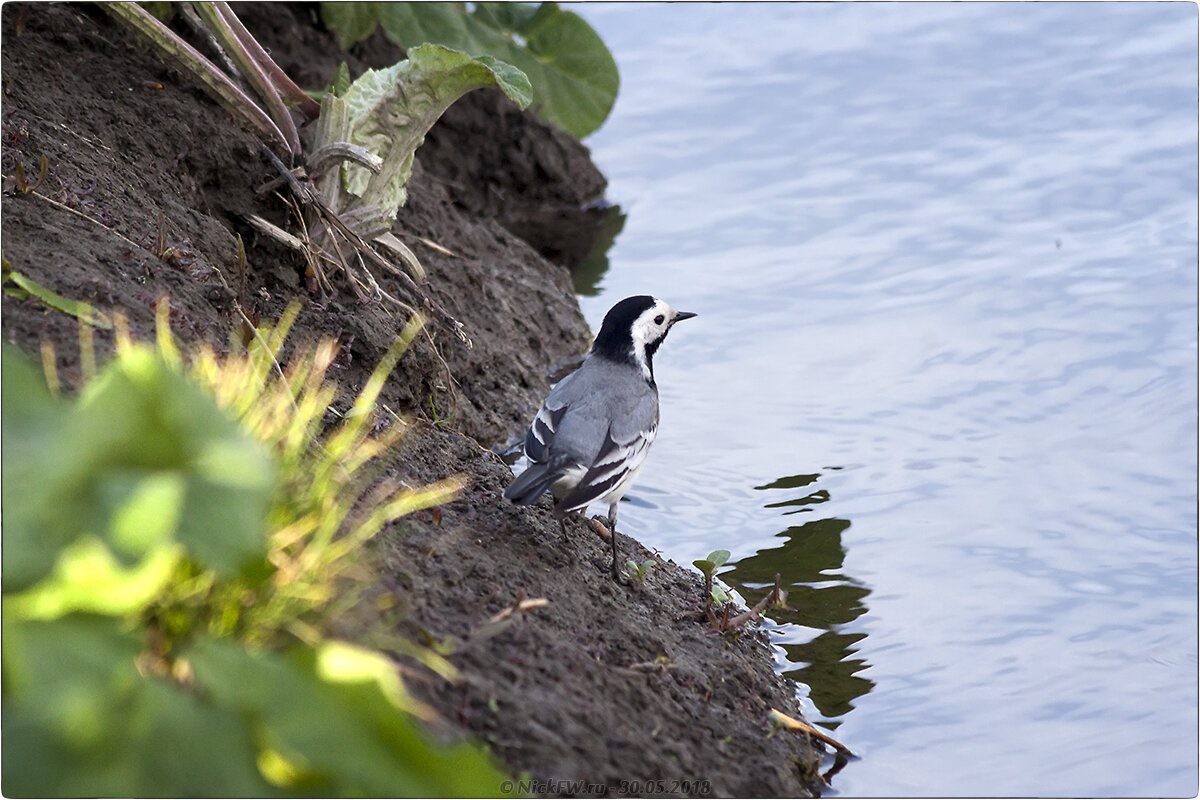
605, 683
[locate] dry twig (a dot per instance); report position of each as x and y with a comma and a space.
791, 723
307, 194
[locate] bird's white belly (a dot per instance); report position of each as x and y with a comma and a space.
563, 486
617, 492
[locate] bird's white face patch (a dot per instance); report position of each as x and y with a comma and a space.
650, 327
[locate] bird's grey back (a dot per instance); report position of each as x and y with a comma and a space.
601, 398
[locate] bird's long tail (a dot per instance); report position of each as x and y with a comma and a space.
529, 486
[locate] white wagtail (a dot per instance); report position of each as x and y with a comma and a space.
592, 433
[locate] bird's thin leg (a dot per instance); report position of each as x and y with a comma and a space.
612, 519
561, 516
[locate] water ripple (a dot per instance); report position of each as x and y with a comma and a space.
945, 258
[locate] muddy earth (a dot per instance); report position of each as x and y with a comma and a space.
608, 684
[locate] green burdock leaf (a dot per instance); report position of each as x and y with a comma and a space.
574, 76
391, 110
352, 22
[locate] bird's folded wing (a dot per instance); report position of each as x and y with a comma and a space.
541, 432
615, 461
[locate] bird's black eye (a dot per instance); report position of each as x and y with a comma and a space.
658, 320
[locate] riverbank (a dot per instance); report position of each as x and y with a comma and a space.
607, 684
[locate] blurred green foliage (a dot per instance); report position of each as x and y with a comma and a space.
143, 459
172, 538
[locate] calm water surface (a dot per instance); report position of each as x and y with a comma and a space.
944, 378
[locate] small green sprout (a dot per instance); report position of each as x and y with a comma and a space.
633, 570
340, 83
709, 566
776, 598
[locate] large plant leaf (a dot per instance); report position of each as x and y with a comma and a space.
87, 577
352, 22
143, 460
392, 109
330, 717
30, 420
80, 721
574, 76
142, 418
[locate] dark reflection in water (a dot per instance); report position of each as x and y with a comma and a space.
607, 221
821, 598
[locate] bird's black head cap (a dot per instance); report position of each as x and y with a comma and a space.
614, 340
634, 328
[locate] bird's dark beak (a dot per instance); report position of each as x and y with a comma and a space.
682, 315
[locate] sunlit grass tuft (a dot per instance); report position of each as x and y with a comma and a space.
330, 500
